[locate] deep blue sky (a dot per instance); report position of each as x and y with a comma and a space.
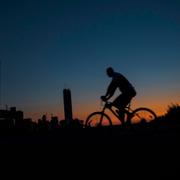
49, 45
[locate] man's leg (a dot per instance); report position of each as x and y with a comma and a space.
121, 103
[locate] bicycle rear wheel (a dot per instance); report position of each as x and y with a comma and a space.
98, 119
143, 114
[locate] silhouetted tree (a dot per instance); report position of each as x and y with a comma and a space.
173, 112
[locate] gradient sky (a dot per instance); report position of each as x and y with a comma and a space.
49, 45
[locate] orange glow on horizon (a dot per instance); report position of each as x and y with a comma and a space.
158, 104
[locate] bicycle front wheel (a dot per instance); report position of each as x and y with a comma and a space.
143, 114
98, 119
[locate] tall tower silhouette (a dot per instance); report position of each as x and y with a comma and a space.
67, 105
0, 83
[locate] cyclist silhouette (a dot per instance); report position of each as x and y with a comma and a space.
127, 91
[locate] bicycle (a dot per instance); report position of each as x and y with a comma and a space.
100, 118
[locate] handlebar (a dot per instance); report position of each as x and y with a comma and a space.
103, 98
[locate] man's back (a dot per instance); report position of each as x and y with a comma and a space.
118, 80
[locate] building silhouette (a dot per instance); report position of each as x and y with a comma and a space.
11, 118
67, 106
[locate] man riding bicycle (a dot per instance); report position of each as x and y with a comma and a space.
127, 91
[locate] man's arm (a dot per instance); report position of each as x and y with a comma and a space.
110, 90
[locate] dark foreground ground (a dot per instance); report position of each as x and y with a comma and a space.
146, 150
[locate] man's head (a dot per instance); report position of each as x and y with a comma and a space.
110, 71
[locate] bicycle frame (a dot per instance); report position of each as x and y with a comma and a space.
127, 110
138, 115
